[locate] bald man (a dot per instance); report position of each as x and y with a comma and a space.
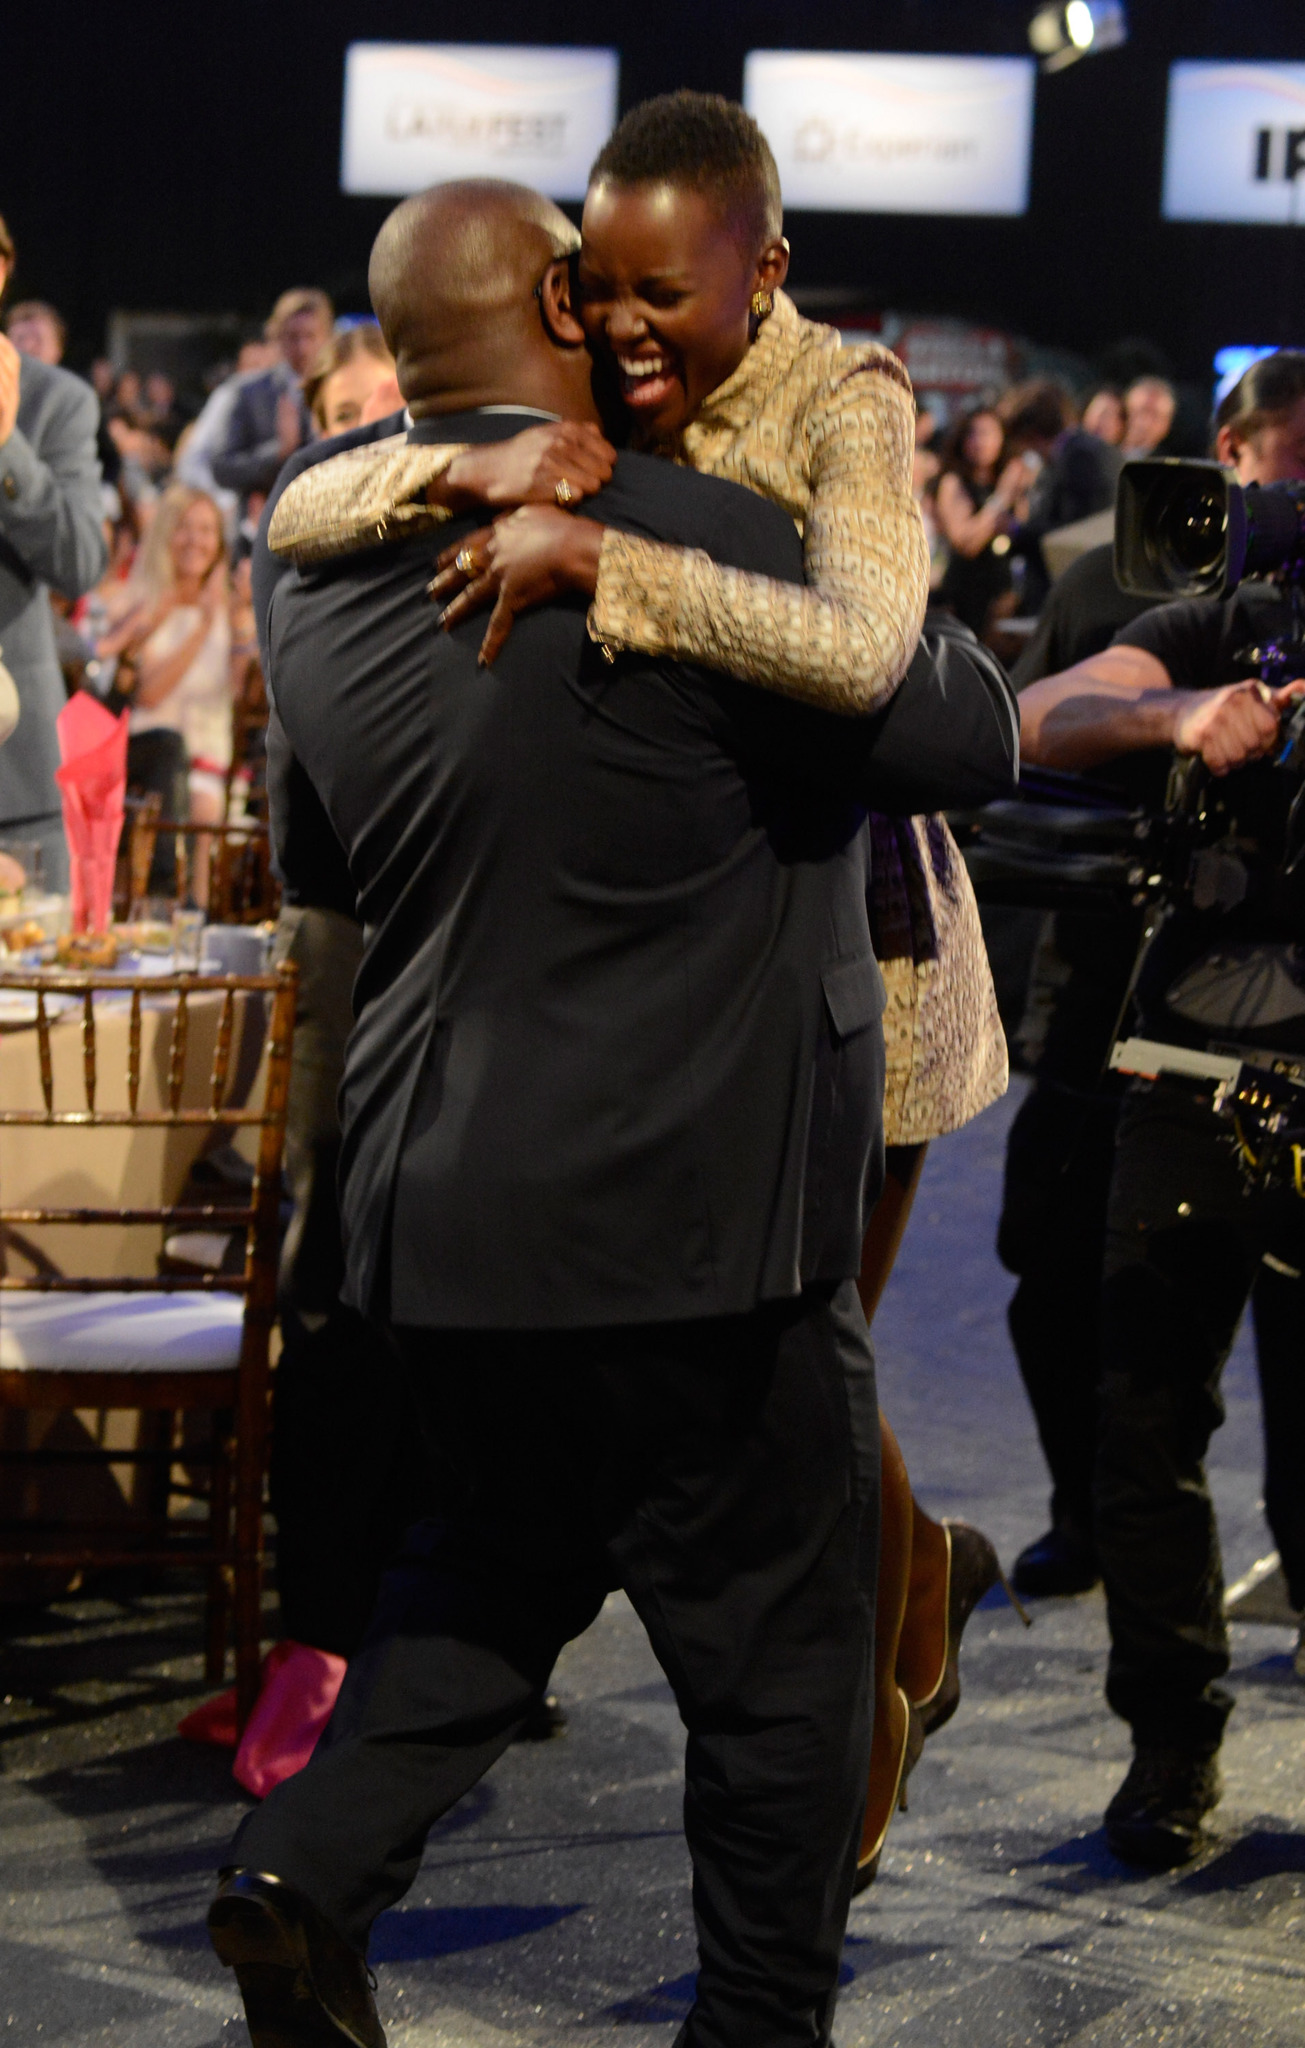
611, 1119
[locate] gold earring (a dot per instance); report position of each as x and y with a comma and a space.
762, 304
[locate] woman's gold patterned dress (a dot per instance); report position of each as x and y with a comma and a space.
827, 432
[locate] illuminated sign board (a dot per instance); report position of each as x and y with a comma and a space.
1235, 143
857, 134
416, 114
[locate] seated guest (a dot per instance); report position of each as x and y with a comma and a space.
352, 381
174, 662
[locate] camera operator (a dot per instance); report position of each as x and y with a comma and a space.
1184, 1239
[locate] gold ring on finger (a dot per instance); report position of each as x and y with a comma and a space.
466, 562
563, 493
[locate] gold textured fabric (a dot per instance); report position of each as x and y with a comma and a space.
360, 498
827, 433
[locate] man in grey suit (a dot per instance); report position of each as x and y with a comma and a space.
269, 419
50, 533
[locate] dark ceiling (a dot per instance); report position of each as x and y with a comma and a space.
161, 156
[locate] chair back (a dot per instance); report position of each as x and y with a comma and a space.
242, 888
249, 715
160, 1067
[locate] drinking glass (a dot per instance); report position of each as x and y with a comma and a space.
187, 939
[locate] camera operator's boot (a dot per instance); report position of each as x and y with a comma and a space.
1155, 1818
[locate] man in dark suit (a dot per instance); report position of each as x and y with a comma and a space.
611, 1120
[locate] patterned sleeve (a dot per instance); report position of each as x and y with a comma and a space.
360, 498
845, 639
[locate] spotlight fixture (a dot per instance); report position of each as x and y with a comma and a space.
1063, 34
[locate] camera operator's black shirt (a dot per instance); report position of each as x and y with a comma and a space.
1229, 976
1204, 641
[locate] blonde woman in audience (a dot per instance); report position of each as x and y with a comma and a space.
174, 666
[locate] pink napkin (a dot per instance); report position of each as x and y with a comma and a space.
93, 785
294, 1704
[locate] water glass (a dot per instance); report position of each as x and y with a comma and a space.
26, 854
187, 939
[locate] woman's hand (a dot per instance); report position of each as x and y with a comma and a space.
553, 465
525, 559
1015, 481
213, 593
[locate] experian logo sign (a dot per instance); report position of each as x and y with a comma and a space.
416, 114
1235, 143
857, 134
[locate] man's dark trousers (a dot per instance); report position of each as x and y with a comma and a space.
1185, 1242
725, 1473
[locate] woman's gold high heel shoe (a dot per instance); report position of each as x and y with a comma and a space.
894, 1753
952, 1566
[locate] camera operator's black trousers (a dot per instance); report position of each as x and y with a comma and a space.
1185, 1242
725, 1473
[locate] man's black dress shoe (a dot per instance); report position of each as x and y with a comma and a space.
1058, 1562
546, 1719
1155, 1817
303, 1986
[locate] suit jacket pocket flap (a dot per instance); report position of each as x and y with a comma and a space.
854, 991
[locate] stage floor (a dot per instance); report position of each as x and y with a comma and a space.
553, 1904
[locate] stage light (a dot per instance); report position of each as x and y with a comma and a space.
1061, 34
1079, 22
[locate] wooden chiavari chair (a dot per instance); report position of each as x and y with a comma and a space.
165, 1345
249, 714
242, 888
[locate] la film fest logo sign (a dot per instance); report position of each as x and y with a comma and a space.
872, 134
416, 114
1235, 143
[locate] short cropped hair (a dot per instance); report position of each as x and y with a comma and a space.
702, 142
302, 299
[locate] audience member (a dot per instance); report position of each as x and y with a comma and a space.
979, 500
1077, 478
36, 330
50, 536
174, 663
352, 381
269, 418
1103, 415
206, 435
1149, 407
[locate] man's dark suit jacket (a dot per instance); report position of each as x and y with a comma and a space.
617, 1056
